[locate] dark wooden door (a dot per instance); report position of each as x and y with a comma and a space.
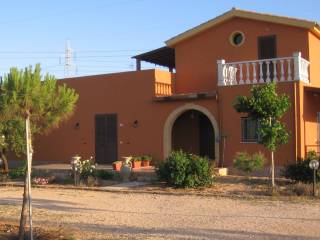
206, 138
267, 48
106, 138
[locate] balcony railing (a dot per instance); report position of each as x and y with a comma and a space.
163, 89
285, 69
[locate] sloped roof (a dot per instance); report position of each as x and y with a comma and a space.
295, 22
164, 56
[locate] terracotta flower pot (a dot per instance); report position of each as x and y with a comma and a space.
136, 164
145, 163
117, 166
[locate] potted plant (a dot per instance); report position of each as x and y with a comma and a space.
136, 162
117, 165
146, 159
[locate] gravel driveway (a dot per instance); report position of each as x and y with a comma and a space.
103, 215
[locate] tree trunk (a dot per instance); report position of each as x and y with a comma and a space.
27, 187
272, 162
272, 170
5, 162
24, 211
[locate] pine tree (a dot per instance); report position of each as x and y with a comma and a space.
42, 104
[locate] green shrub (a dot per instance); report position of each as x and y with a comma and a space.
247, 164
103, 174
185, 170
16, 173
301, 171
85, 168
146, 157
136, 159
19, 172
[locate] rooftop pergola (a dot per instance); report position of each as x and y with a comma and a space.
164, 56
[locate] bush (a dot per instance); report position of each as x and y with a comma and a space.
247, 164
185, 170
17, 173
85, 168
103, 174
301, 171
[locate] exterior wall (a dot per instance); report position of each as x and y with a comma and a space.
130, 95
311, 97
311, 107
230, 125
196, 58
314, 53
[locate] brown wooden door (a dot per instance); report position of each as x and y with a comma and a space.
206, 138
267, 48
106, 138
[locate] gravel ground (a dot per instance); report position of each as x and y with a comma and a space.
103, 215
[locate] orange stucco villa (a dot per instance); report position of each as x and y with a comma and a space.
190, 106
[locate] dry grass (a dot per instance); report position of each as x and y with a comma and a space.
9, 231
247, 187
299, 189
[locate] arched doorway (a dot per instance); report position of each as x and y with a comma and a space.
193, 133
204, 114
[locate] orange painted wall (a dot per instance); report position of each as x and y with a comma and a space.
311, 107
196, 58
314, 53
231, 125
128, 94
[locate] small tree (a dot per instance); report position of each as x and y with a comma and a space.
12, 138
42, 104
266, 106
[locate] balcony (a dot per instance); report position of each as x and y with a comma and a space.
284, 69
164, 92
163, 89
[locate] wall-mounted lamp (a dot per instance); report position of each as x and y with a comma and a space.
77, 126
135, 124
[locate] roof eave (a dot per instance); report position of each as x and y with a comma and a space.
312, 26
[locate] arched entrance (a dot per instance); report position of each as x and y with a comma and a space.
193, 129
193, 133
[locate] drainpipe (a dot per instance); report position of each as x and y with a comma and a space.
295, 121
220, 118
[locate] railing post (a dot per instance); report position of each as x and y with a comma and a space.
221, 65
138, 65
297, 65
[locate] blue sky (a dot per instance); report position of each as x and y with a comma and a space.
105, 33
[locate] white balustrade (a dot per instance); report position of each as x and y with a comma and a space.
284, 69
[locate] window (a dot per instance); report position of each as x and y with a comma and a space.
249, 129
237, 38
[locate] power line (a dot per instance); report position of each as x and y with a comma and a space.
49, 57
79, 51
